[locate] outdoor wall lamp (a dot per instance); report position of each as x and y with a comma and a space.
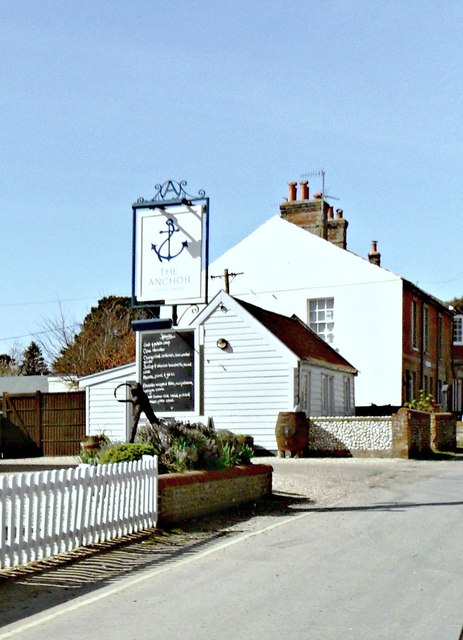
222, 343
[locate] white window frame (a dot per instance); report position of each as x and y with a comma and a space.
458, 329
320, 313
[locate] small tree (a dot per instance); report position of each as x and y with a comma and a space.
104, 339
457, 303
33, 362
424, 402
10, 363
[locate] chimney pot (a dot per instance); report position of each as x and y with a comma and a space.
339, 213
304, 190
330, 213
318, 196
292, 191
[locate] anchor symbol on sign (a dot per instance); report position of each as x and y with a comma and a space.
167, 255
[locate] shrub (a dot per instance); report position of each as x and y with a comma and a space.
424, 402
234, 448
180, 446
91, 447
186, 446
98, 439
126, 452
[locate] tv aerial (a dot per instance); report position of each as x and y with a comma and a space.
319, 174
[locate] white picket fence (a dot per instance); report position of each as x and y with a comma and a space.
46, 513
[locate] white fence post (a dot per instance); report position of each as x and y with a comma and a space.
51, 512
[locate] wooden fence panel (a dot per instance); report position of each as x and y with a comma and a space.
50, 424
62, 423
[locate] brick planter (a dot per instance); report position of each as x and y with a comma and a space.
196, 493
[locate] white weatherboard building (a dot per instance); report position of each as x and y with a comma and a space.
257, 363
354, 304
251, 365
103, 413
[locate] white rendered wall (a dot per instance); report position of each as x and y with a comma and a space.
284, 265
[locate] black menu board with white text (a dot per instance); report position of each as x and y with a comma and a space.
167, 369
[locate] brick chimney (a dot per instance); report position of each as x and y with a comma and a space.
314, 214
374, 256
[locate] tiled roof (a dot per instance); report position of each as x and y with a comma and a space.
296, 335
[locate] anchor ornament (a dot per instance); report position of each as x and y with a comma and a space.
167, 255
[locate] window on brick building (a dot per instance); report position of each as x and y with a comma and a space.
321, 317
425, 330
442, 390
414, 386
440, 337
414, 331
458, 330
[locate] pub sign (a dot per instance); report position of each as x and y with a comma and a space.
170, 247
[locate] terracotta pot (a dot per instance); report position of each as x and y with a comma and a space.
90, 445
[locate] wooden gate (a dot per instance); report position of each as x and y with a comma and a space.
49, 424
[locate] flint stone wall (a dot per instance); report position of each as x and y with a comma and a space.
350, 435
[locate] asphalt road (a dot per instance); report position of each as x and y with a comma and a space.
347, 549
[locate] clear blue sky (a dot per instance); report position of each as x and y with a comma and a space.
102, 100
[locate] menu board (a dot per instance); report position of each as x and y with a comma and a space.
167, 369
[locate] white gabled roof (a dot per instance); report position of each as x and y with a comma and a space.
279, 249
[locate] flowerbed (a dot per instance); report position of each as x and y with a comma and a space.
179, 447
200, 470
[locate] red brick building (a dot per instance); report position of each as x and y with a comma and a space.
427, 346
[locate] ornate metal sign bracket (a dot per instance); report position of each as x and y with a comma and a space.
170, 193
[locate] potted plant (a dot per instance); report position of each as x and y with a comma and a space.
94, 442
